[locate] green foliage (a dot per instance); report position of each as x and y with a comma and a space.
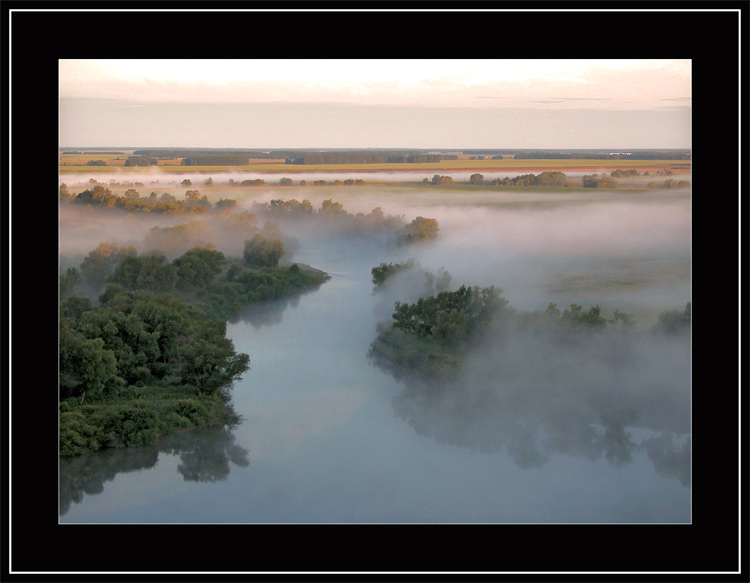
206, 278
547, 178
430, 338
429, 282
74, 306
87, 366
68, 282
126, 364
263, 252
100, 263
385, 270
148, 272
450, 318
208, 360
135, 422
139, 338
198, 267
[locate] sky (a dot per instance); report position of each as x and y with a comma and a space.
376, 103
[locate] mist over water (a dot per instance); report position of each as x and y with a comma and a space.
592, 433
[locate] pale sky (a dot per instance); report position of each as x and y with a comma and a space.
373, 103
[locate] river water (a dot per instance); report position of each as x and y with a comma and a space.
324, 438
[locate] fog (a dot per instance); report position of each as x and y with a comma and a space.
596, 430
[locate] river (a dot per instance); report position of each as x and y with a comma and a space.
323, 438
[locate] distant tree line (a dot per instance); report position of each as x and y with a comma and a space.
358, 157
598, 181
97, 152
332, 216
140, 161
216, 160
132, 201
543, 179
538, 155
199, 153
670, 183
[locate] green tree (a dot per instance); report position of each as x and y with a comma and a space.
86, 367
420, 229
198, 267
385, 270
209, 361
100, 263
263, 252
476, 178
148, 272
68, 281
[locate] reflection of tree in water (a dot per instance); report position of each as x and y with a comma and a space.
205, 456
670, 460
87, 474
268, 313
531, 431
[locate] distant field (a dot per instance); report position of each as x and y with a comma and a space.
76, 164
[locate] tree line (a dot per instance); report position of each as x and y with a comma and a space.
132, 201
651, 155
216, 160
359, 157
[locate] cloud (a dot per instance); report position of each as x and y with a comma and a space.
423, 82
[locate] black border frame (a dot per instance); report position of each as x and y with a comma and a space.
708, 33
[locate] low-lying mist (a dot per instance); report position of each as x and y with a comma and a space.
533, 394
536, 384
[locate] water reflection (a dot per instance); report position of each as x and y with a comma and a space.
205, 456
269, 313
531, 436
